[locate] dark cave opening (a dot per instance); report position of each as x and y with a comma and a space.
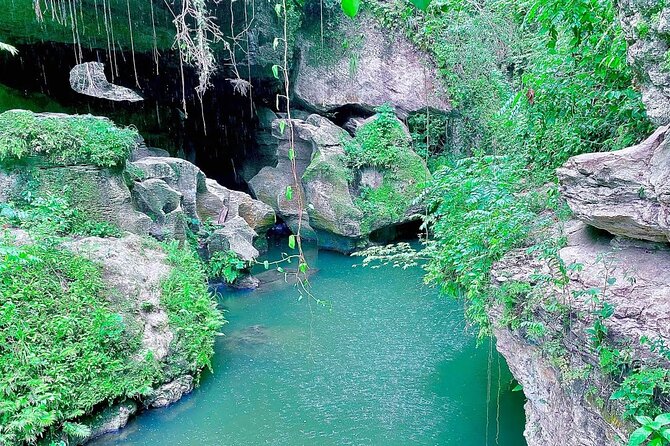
217, 135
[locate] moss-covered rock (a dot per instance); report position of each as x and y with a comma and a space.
351, 186
98, 320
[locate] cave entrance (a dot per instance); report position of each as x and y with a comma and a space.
217, 135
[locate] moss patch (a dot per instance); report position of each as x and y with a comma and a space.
19, 24
384, 145
63, 140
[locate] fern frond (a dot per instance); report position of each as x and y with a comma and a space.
6, 47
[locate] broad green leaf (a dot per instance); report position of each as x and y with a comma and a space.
663, 418
656, 442
639, 436
291, 154
266, 264
665, 433
280, 269
275, 71
643, 420
275, 44
278, 9
351, 7
282, 127
291, 241
303, 267
517, 388
289, 193
421, 4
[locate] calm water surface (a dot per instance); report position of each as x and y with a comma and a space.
388, 363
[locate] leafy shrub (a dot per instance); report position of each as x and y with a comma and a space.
225, 265
477, 215
192, 311
640, 390
64, 140
656, 431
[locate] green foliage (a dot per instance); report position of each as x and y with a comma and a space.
655, 431
192, 311
476, 216
351, 7
63, 140
48, 217
379, 143
58, 332
640, 391
225, 265
574, 89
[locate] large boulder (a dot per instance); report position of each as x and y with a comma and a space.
340, 197
626, 192
646, 24
174, 192
100, 192
271, 183
134, 271
384, 67
220, 204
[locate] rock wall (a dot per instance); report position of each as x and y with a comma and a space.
380, 66
621, 266
568, 397
646, 24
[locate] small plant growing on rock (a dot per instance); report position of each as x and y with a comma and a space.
225, 265
655, 432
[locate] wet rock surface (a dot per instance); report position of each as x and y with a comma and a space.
388, 69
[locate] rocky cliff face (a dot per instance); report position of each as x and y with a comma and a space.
561, 371
647, 27
576, 325
154, 194
380, 67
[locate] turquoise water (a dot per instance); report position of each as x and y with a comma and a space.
389, 362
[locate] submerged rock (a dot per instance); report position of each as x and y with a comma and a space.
626, 192
89, 78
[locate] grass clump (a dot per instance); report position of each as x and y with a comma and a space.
191, 309
63, 140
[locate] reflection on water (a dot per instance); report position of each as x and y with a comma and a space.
389, 362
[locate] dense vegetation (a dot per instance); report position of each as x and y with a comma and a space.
62, 327
534, 83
